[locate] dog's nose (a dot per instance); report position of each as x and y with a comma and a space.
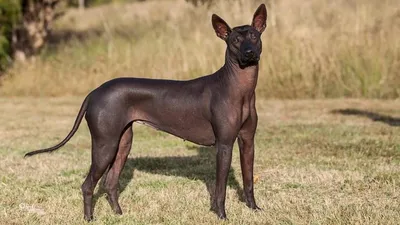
249, 53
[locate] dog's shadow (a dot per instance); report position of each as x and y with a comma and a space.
199, 167
389, 120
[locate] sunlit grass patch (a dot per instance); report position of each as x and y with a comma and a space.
312, 166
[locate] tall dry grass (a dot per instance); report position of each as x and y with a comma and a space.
312, 49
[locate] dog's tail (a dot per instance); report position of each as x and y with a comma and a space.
78, 120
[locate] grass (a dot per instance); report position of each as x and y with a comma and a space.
313, 49
334, 161
317, 162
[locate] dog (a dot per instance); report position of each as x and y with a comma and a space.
212, 110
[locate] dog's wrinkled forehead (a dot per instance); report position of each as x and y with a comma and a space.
243, 29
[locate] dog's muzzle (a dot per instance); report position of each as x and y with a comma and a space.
249, 57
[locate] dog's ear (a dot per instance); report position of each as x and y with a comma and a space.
221, 27
260, 18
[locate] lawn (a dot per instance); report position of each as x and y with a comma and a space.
317, 162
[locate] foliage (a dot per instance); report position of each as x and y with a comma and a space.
9, 16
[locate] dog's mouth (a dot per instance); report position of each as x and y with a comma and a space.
246, 61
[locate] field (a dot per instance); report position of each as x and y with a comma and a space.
328, 99
317, 162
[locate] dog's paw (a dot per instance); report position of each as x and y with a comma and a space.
253, 206
220, 212
88, 218
222, 216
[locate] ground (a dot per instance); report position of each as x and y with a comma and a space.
317, 162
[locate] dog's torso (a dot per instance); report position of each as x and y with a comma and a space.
182, 108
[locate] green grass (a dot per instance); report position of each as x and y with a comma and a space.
312, 166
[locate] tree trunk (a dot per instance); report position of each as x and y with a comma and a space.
81, 5
30, 36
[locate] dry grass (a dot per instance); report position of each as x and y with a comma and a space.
317, 162
312, 166
312, 49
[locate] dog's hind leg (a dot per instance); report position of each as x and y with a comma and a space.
103, 153
112, 177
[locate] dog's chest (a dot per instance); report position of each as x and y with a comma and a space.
245, 109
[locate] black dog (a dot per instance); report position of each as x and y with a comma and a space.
210, 110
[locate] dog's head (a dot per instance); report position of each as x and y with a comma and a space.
244, 42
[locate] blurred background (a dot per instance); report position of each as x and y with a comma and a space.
311, 48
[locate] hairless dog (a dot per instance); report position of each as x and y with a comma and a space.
212, 110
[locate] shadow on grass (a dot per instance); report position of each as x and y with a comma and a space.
389, 120
199, 167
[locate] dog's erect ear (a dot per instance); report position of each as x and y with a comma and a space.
260, 18
221, 27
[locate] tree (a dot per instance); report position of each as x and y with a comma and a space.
81, 5
25, 26
9, 16
30, 35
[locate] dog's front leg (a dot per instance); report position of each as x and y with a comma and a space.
246, 148
224, 158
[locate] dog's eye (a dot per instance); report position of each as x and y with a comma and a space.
236, 40
253, 36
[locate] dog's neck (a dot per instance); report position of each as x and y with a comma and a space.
244, 79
